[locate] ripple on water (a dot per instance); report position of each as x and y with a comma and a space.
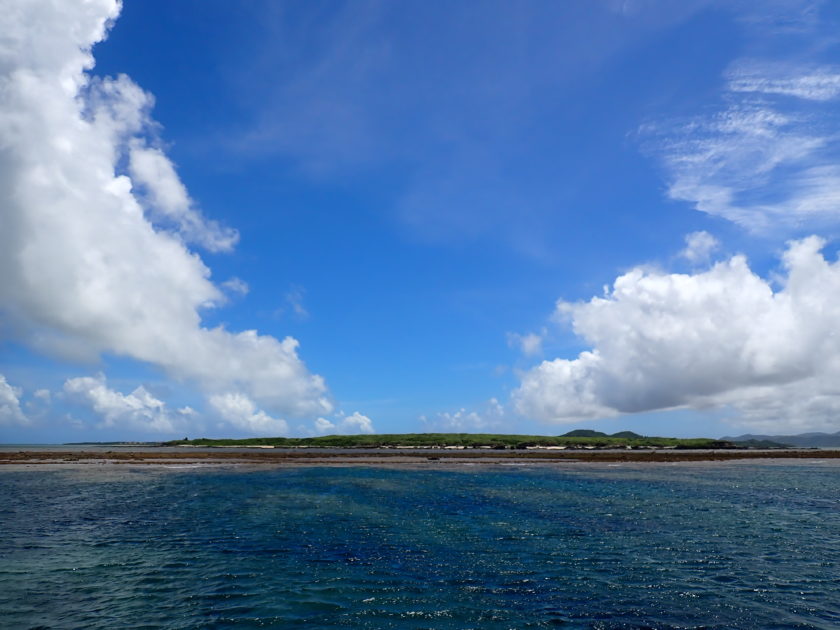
725, 546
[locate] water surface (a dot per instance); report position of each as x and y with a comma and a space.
751, 545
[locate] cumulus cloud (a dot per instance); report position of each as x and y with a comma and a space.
356, 423
241, 412
699, 247
345, 425
324, 426
138, 410
491, 416
10, 411
95, 258
722, 337
768, 159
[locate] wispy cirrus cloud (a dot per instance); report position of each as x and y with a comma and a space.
814, 84
768, 160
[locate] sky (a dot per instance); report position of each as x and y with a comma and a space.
304, 218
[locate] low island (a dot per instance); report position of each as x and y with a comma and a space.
578, 439
426, 449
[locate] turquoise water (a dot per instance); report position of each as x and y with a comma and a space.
717, 545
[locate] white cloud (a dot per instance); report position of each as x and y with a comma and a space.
43, 395
10, 411
356, 423
153, 173
241, 412
492, 416
816, 84
699, 247
718, 338
236, 285
768, 160
323, 426
138, 410
90, 264
529, 344
344, 425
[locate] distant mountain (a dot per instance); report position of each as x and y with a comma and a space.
806, 440
589, 433
629, 435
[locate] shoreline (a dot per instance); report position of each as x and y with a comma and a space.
259, 458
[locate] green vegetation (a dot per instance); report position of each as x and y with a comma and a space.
586, 433
112, 444
760, 444
580, 439
589, 433
627, 434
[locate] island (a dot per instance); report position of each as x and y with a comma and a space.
578, 439
414, 449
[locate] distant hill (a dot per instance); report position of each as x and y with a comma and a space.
805, 440
589, 433
627, 434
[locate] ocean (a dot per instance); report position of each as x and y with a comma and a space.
710, 545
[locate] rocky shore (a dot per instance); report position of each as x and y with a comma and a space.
392, 457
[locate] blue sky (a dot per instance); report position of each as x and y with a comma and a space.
498, 216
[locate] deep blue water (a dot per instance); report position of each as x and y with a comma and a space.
717, 545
